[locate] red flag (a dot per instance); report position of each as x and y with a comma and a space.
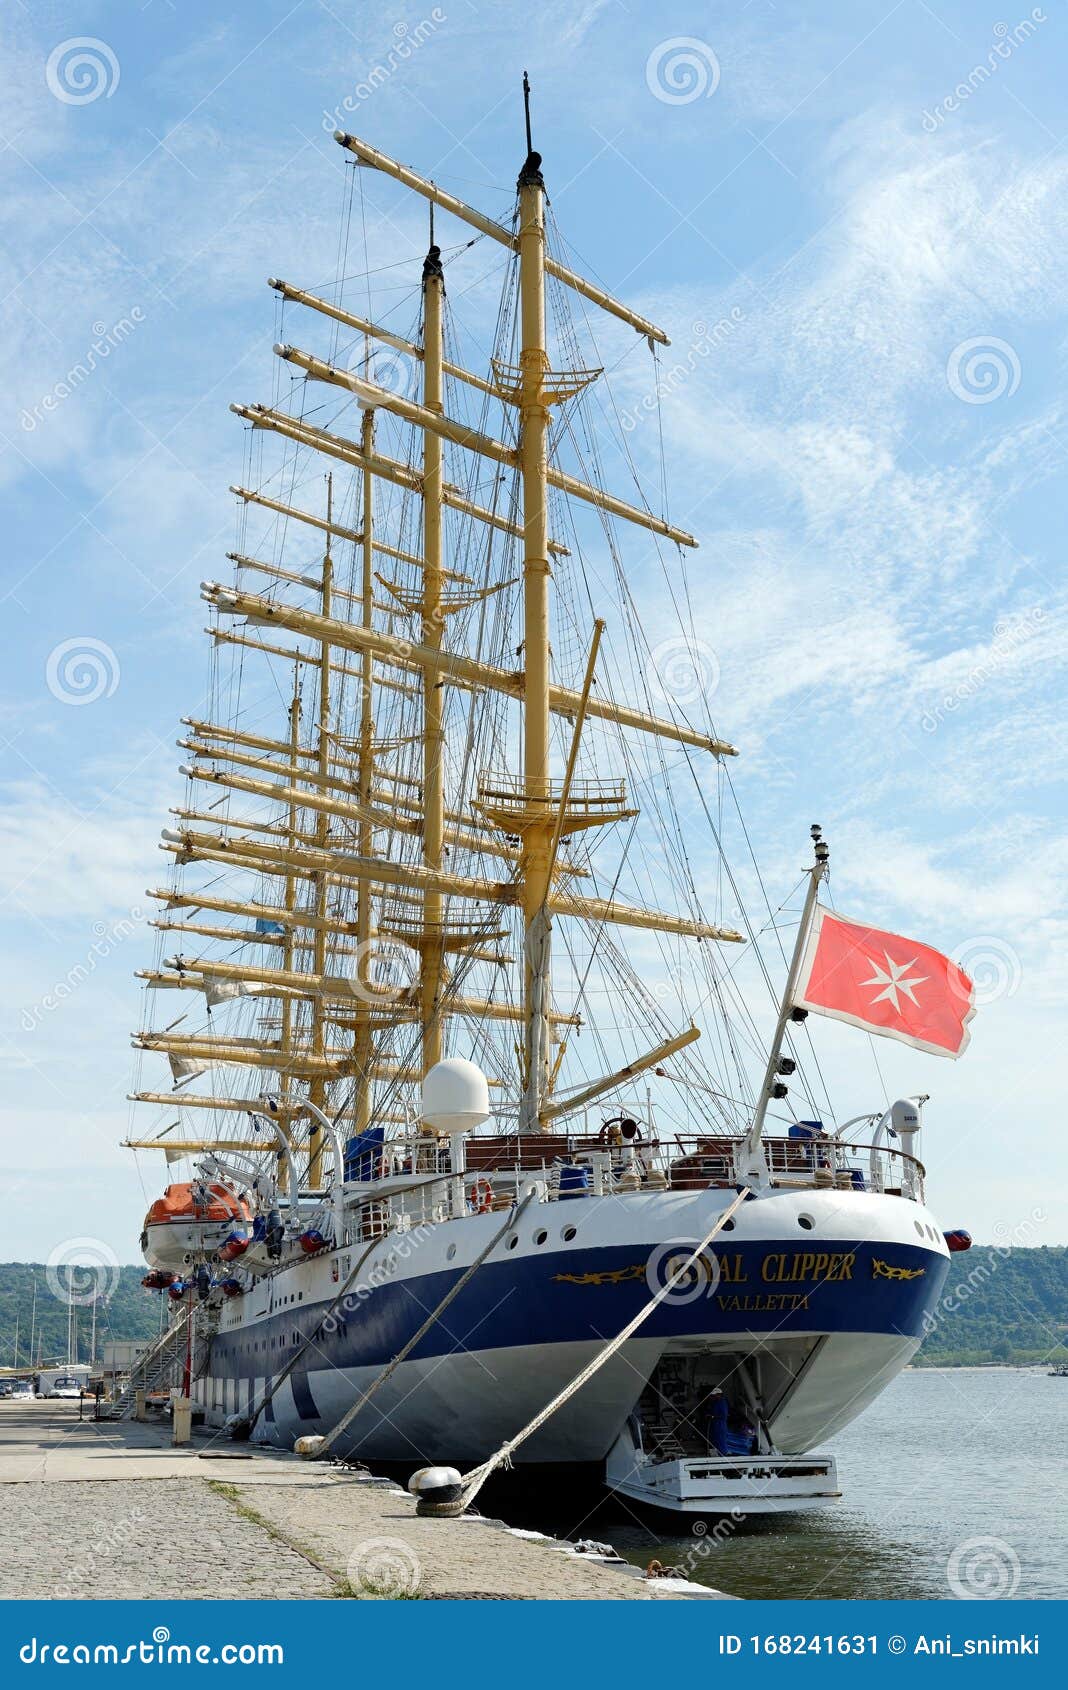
886, 984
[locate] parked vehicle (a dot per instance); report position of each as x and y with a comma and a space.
65, 1386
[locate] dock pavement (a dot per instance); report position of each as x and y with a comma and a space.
104, 1509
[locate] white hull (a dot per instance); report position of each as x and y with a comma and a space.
483, 1381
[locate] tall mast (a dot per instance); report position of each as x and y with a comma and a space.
362, 1031
535, 870
317, 1086
432, 954
290, 895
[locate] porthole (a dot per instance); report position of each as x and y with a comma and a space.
569, 1233
806, 1222
450, 1252
513, 1241
932, 1234
919, 1227
728, 1226
540, 1237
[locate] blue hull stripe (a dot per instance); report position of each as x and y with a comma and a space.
303, 1400
531, 1301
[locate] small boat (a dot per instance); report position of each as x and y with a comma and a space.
1060, 1371
191, 1221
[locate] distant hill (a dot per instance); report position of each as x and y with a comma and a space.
129, 1312
999, 1305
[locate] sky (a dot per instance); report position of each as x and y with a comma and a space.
851, 220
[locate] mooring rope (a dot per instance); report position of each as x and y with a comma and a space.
312, 1338
474, 1480
454, 1291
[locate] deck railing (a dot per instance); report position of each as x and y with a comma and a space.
417, 1180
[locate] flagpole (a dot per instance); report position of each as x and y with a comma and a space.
755, 1166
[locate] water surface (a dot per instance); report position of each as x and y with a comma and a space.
943, 1458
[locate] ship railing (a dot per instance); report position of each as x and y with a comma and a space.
581, 1166
419, 1181
806, 1164
830, 1163
500, 788
409, 1181
509, 803
416, 1154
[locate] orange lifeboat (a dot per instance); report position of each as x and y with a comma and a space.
193, 1221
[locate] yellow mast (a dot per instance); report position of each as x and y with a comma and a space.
317, 1087
432, 955
285, 1078
362, 1039
534, 866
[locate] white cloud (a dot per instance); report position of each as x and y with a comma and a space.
62, 861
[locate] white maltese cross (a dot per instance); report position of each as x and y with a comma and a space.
894, 981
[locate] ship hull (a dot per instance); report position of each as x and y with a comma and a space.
829, 1291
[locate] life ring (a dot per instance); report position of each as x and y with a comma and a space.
482, 1197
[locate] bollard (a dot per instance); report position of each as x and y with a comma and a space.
182, 1420
139, 1406
438, 1493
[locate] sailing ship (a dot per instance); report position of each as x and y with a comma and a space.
448, 1124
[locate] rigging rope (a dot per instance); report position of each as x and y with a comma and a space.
474, 1480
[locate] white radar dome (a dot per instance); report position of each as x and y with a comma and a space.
455, 1096
905, 1116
